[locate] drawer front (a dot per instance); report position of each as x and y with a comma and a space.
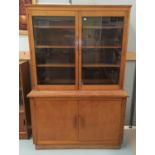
100, 120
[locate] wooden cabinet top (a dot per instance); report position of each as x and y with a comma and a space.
42, 6
55, 94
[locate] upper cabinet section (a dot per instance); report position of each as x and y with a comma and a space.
78, 47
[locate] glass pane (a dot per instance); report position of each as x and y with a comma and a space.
54, 31
102, 21
101, 56
103, 31
55, 55
53, 21
54, 37
102, 37
55, 50
100, 75
101, 49
56, 76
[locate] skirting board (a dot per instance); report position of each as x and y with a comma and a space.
131, 56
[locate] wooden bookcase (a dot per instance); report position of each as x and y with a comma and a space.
78, 56
24, 105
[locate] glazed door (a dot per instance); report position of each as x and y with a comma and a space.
100, 47
100, 120
57, 120
55, 46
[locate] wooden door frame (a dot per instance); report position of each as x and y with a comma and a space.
36, 86
121, 13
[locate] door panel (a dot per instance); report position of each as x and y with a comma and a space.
57, 120
100, 47
55, 35
55, 47
99, 120
103, 37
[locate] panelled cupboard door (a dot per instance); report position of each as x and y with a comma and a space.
102, 49
54, 49
55, 120
100, 120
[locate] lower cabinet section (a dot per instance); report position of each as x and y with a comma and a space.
77, 122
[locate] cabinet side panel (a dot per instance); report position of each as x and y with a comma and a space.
123, 106
33, 119
124, 48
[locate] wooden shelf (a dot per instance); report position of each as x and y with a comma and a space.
103, 27
56, 65
101, 46
131, 55
60, 81
54, 27
52, 46
96, 81
84, 65
101, 65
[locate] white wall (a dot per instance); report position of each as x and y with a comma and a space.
23, 40
23, 43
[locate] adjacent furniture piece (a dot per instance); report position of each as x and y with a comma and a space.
22, 14
24, 106
78, 62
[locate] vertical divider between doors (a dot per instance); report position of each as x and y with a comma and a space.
80, 49
78, 67
77, 50
78, 125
